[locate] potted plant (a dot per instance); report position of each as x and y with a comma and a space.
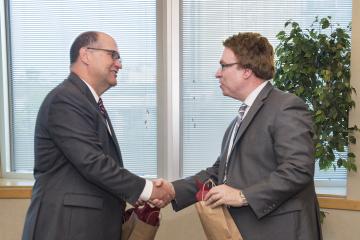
314, 64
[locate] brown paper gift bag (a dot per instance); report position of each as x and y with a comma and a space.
142, 224
217, 222
128, 225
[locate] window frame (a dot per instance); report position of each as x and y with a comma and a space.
5, 103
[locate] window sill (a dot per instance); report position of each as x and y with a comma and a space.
15, 189
338, 202
21, 189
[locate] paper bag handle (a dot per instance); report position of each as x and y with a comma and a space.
205, 183
147, 220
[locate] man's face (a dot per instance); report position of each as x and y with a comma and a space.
230, 76
105, 65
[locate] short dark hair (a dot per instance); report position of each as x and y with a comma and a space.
253, 51
84, 39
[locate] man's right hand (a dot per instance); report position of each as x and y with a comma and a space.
163, 192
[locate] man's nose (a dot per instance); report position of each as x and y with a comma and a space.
218, 73
118, 64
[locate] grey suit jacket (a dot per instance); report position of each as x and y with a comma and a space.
272, 161
81, 185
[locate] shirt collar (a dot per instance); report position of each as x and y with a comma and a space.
249, 100
92, 91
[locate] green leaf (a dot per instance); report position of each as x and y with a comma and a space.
322, 216
340, 162
352, 139
294, 24
287, 23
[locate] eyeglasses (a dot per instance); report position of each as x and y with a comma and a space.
223, 66
115, 55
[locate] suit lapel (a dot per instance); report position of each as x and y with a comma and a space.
224, 152
112, 134
81, 86
229, 135
73, 78
258, 103
113, 137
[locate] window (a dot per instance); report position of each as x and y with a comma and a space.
40, 33
168, 111
204, 26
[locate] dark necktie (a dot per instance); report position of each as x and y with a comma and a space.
102, 108
105, 115
239, 118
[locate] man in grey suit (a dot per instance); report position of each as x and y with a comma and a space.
265, 168
81, 186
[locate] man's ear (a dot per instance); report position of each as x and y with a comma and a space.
84, 55
248, 73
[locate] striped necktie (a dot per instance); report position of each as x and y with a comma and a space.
239, 118
102, 108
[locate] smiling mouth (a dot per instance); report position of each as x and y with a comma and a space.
115, 72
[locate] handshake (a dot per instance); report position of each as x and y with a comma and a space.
162, 194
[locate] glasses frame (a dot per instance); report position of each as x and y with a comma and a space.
115, 55
226, 65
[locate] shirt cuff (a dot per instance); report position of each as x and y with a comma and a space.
146, 193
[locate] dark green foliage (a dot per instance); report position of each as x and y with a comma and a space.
315, 65
322, 216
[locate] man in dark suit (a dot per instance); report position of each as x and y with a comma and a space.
81, 186
266, 165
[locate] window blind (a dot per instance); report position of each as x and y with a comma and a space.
41, 33
204, 26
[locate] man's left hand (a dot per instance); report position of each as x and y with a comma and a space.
224, 195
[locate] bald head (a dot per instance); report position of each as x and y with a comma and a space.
83, 40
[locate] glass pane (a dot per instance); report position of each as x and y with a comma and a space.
41, 32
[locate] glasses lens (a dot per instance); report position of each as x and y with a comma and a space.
115, 55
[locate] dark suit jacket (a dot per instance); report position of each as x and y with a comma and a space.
272, 162
81, 185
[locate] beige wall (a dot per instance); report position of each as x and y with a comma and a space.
175, 226
12, 214
338, 224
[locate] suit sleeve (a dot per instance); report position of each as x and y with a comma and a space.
186, 189
73, 128
293, 146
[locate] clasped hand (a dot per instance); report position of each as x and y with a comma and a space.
162, 194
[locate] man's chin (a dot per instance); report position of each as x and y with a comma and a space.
113, 83
224, 93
